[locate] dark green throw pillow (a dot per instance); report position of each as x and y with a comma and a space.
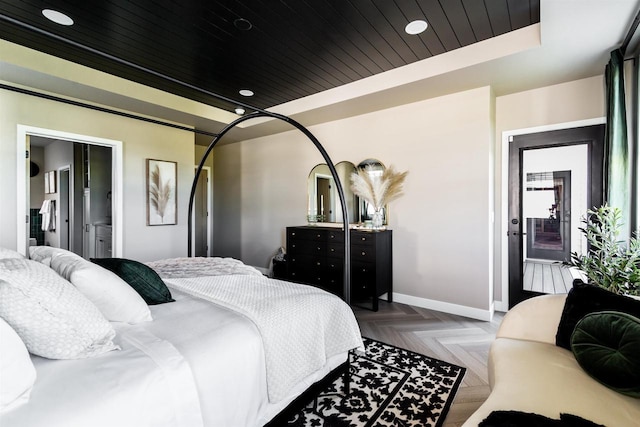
607, 346
140, 277
584, 299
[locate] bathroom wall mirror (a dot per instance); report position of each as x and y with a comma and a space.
375, 168
324, 202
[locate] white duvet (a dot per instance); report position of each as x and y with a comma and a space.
197, 364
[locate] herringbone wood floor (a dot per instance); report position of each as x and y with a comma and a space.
455, 339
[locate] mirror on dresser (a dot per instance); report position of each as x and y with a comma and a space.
324, 202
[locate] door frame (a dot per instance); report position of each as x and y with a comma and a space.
70, 205
209, 216
503, 304
22, 187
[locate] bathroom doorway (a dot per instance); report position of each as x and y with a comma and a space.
65, 162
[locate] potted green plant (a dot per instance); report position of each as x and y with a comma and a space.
610, 263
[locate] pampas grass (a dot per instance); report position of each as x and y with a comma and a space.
378, 189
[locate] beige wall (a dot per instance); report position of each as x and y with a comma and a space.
553, 105
442, 225
140, 140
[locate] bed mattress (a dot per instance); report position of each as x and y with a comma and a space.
196, 364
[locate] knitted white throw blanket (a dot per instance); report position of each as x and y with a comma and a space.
301, 326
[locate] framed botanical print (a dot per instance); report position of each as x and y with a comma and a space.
162, 194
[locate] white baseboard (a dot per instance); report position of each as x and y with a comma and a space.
445, 307
501, 306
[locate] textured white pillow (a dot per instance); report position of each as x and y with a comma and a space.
43, 254
10, 253
50, 315
16, 369
117, 301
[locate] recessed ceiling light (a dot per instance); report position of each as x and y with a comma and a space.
57, 17
246, 92
416, 27
239, 111
242, 24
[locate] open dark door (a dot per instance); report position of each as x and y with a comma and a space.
554, 177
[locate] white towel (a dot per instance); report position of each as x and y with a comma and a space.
48, 212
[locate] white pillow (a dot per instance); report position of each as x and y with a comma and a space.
16, 369
117, 301
43, 254
50, 315
10, 253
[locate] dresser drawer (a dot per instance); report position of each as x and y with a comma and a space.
306, 234
336, 235
307, 247
363, 279
363, 238
363, 253
304, 267
335, 249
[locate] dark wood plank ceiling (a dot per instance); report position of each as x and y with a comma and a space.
294, 48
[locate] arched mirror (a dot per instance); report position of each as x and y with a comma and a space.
375, 168
324, 202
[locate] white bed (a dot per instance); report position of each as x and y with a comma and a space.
198, 363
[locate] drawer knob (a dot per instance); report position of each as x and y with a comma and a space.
332, 250
293, 274
293, 234
364, 270
363, 238
293, 245
318, 263
318, 236
331, 236
318, 248
363, 253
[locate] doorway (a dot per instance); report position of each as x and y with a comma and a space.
64, 203
554, 177
202, 218
114, 149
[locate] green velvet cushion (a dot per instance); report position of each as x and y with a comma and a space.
140, 277
606, 344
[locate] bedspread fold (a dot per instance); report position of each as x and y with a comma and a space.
322, 324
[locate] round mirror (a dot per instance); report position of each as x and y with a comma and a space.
324, 201
375, 168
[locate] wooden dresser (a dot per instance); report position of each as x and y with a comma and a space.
315, 256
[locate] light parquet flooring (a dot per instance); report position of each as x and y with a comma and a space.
455, 339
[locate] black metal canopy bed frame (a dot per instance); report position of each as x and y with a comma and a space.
318, 145
341, 369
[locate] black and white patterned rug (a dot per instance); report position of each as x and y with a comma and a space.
390, 386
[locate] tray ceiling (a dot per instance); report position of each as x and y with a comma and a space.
293, 49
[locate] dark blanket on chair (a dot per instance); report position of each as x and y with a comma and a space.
524, 419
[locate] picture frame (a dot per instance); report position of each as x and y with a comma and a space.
46, 183
50, 182
162, 195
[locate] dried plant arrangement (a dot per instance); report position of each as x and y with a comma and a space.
378, 189
160, 193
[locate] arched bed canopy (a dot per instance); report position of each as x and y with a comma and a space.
257, 113
334, 174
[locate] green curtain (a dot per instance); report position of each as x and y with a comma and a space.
617, 176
